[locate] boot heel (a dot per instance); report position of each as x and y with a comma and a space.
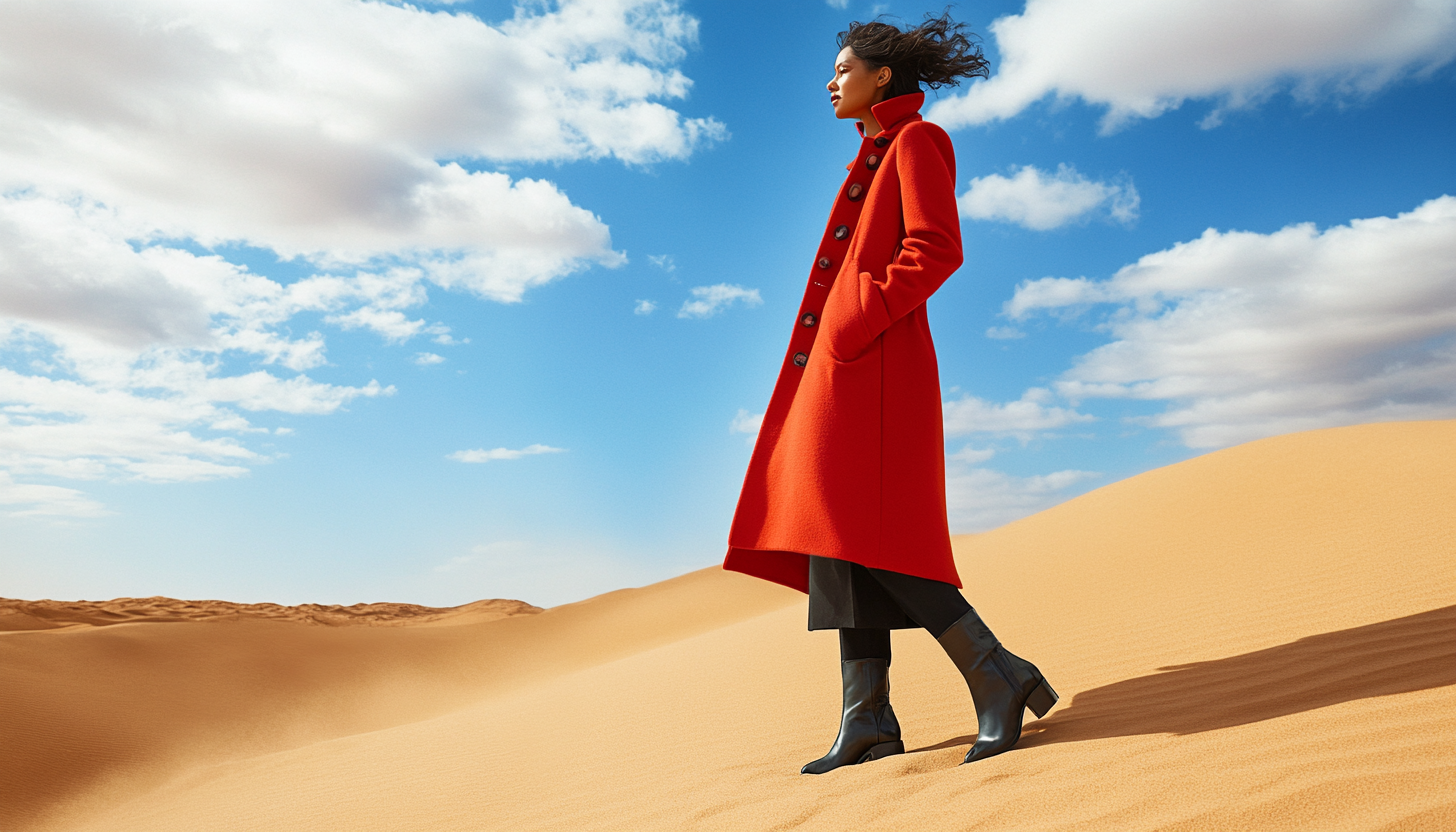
1042, 699
884, 749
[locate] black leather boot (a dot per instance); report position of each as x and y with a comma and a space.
868, 729
1002, 685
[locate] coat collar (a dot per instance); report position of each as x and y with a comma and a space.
893, 113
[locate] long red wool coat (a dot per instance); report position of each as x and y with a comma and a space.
850, 460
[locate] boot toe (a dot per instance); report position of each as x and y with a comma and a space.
981, 752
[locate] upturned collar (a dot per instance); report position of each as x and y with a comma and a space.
893, 113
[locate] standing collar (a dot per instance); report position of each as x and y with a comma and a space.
894, 112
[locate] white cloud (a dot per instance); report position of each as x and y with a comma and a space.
644, 307
311, 129
1248, 335
443, 336
838, 4
1004, 333
29, 500
295, 77
662, 261
710, 300
979, 499
1041, 201
1031, 414
425, 359
972, 456
746, 423
482, 455
122, 343
67, 428
1141, 58
321, 121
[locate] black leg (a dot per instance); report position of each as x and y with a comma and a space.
864, 644
935, 605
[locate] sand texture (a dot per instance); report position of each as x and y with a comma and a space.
1261, 638
52, 615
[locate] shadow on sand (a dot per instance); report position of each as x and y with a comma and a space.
1417, 652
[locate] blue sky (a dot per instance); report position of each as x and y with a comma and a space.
270, 275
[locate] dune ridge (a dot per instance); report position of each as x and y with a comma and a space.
46, 614
1263, 637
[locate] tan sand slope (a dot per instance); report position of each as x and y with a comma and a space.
1260, 638
87, 714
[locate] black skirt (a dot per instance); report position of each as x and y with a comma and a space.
846, 595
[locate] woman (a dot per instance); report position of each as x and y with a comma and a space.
845, 495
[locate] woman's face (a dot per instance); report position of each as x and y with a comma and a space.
855, 87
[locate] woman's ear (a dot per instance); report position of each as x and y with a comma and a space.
883, 78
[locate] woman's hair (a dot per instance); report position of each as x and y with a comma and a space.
937, 53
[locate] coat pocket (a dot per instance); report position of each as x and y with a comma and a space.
844, 330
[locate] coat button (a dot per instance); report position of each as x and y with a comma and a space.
800, 359
872, 161
855, 192
882, 141
808, 319
824, 263
841, 232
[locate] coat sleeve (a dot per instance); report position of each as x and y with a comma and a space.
931, 249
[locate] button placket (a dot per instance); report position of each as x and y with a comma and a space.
854, 193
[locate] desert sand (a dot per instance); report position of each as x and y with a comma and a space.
1263, 637
54, 615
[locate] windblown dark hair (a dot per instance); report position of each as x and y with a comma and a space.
937, 53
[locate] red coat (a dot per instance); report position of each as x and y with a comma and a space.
850, 460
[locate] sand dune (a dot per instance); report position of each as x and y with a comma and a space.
90, 715
1260, 638
51, 615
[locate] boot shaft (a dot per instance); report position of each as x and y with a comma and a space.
867, 695
975, 650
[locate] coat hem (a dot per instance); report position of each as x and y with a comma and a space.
791, 568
